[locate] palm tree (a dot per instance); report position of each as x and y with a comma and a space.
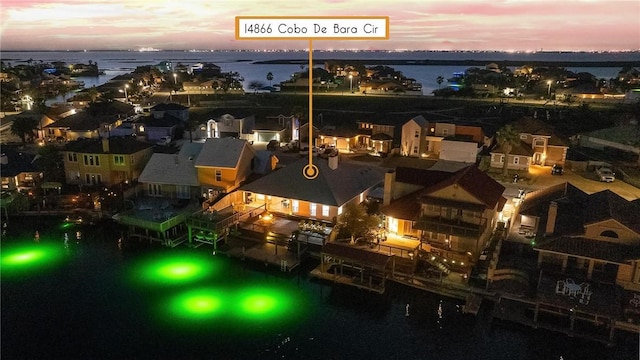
439, 80
507, 138
269, 77
93, 93
23, 127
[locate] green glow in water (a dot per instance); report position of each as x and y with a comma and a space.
174, 269
199, 304
263, 303
30, 258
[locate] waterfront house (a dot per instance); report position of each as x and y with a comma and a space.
18, 170
539, 145
223, 164
106, 161
173, 176
589, 239
452, 213
288, 192
588, 235
167, 198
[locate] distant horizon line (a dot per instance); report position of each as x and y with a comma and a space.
323, 50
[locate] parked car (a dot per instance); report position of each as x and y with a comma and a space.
605, 174
165, 140
556, 169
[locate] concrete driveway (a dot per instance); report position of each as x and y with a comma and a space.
540, 177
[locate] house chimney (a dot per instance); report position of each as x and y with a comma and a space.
389, 187
333, 162
4, 159
552, 215
105, 145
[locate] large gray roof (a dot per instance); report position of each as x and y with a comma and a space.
222, 153
169, 169
331, 187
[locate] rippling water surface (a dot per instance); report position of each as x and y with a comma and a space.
89, 298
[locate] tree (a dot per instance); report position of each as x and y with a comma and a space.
51, 163
24, 126
255, 85
354, 222
93, 93
269, 77
191, 125
507, 138
439, 80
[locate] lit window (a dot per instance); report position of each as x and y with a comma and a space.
295, 206
325, 211
312, 209
340, 210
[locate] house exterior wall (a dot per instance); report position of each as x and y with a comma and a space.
522, 162
382, 129
413, 139
231, 177
476, 133
625, 235
458, 151
629, 276
171, 191
445, 129
110, 173
207, 177
556, 155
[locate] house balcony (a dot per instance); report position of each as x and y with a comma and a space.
156, 214
450, 227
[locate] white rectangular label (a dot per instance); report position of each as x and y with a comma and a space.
312, 28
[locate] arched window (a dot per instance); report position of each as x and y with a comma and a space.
609, 233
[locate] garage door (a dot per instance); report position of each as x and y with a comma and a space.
266, 137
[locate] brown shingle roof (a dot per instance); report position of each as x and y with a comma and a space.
583, 247
475, 182
470, 178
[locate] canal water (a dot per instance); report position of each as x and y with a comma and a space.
75, 292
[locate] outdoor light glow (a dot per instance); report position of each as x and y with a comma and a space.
262, 303
33, 257
199, 304
174, 269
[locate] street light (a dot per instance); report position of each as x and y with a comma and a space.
175, 79
126, 98
549, 89
351, 83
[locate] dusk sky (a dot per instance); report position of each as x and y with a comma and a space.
519, 25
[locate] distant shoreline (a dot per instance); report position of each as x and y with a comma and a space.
614, 63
